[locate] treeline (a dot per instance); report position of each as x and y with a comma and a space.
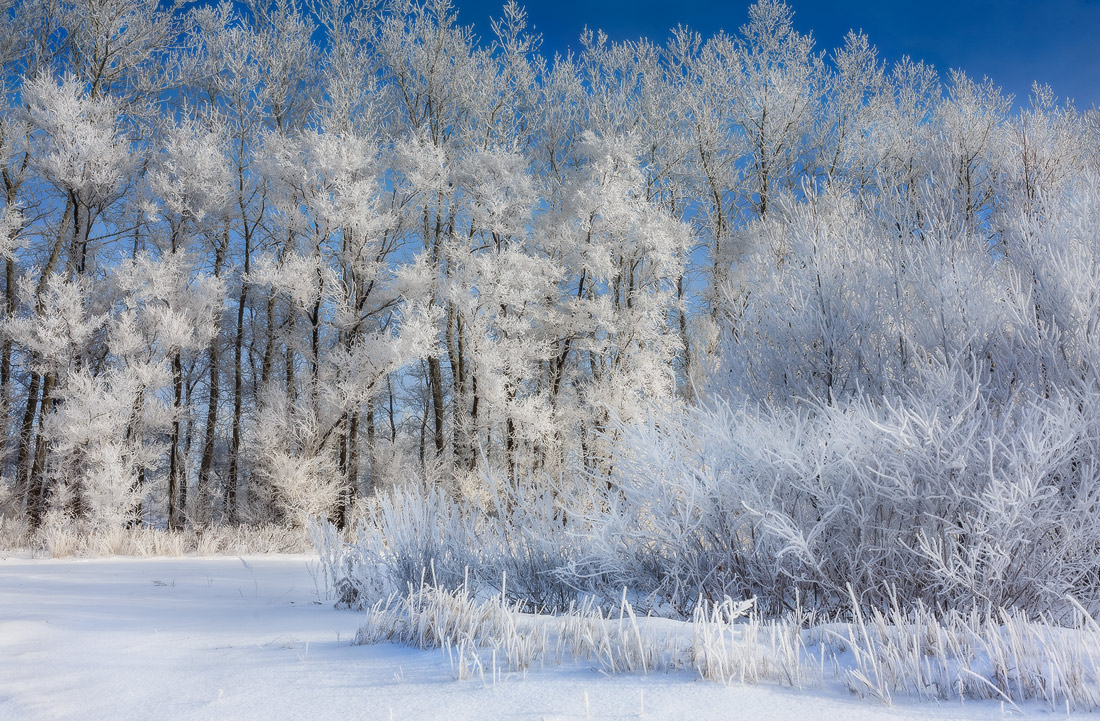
263, 259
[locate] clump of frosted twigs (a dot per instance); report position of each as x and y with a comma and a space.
883, 655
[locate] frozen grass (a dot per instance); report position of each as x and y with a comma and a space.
998, 656
13, 533
60, 540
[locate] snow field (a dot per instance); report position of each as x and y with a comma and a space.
221, 638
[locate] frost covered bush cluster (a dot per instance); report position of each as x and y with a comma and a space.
932, 499
921, 422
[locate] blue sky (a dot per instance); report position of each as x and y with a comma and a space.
1012, 41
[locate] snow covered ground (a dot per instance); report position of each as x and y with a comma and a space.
226, 638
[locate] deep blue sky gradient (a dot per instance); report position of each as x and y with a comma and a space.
1014, 42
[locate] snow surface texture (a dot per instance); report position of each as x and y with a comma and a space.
226, 638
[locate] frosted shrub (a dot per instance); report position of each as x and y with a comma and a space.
13, 532
518, 544
939, 502
437, 534
300, 474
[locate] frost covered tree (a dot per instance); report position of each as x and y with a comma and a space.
80, 151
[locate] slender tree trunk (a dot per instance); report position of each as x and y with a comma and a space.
233, 479
232, 482
175, 505
315, 357
393, 424
435, 377
424, 424
187, 501
371, 436
134, 444
74, 242
269, 347
458, 381
344, 498
26, 434
471, 462
11, 188
36, 496
5, 351
206, 465
510, 445
291, 386
351, 478
689, 386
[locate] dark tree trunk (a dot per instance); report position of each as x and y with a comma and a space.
175, 505
435, 377
134, 443
206, 465
233, 479
26, 433
36, 496
5, 351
